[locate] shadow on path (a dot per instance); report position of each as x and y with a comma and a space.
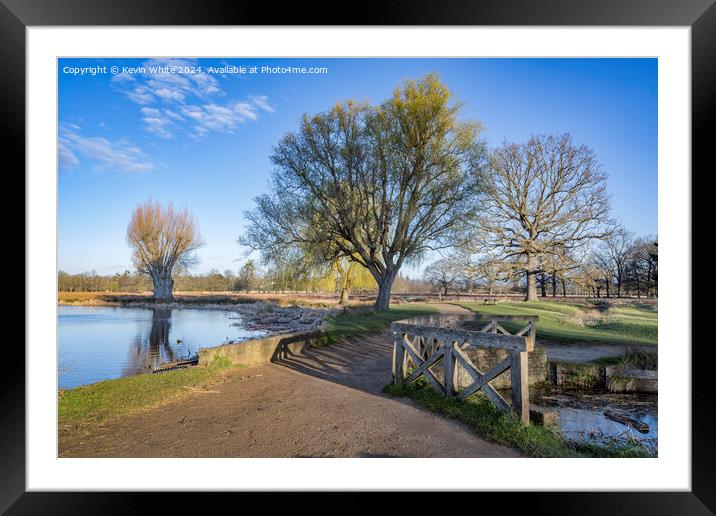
363, 363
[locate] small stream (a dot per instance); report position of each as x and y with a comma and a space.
582, 419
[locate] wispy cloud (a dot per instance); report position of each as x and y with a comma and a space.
186, 102
66, 159
262, 102
108, 155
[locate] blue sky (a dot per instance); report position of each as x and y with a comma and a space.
203, 140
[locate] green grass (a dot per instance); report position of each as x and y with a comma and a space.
627, 324
351, 323
95, 403
486, 421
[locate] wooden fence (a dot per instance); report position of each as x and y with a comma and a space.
420, 343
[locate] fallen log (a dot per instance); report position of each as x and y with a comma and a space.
628, 421
175, 365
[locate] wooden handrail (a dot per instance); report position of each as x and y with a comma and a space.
431, 342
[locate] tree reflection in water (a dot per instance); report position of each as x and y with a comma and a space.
146, 354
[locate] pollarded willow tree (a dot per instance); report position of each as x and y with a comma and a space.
378, 185
162, 239
545, 198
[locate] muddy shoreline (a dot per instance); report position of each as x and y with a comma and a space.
260, 315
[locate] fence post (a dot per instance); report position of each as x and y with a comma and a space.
520, 386
398, 359
448, 368
533, 329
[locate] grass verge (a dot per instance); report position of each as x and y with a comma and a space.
486, 421
98, 402
355, 322
622, 324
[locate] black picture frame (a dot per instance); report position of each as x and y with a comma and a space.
700, 15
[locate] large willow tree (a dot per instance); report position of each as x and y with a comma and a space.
378, 185
162, 239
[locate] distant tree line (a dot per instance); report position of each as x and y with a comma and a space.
618, 265
248, 278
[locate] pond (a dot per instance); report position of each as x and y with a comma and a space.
582, 418
98, 343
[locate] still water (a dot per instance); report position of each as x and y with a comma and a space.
99, 343
582, 419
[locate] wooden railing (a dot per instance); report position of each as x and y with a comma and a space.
420, 343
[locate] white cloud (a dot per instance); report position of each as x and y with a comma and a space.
173, 115
169, 94
66, 159
140, 95
213, 117
159, 84
175, 102
158, 126
118, 155
149, 111
122, 77
245, 111
261, 102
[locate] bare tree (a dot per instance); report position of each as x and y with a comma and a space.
642, 266
546, 198
377, 185
491, 271
443, 273
602, 268
162, 239
613, 255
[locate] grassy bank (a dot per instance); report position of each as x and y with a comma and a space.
483, 418
352, 323
95, 403
582, 322
92, 404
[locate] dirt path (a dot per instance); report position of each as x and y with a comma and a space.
448, 308
581, 352
325, 403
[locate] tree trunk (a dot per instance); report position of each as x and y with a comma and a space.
345, 294
468, 285
606, 284
163, 286
564, 288
382, 303
554, 284
531, 278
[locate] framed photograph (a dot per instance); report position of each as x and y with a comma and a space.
272, 251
